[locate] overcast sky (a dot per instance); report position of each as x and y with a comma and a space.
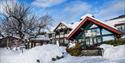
71, 10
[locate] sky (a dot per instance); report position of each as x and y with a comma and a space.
71, 10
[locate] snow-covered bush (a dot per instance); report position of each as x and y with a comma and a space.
71, 45
75, 50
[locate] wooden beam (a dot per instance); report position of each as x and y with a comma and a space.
101, 34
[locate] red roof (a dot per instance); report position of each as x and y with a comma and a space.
89, 20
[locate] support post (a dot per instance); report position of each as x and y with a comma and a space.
93, 40
101, 34
84, 39
55, 38
114, 40
89, 41
59, 38
96, 39
64, 37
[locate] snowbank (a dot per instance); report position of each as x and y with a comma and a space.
88, 59
43, 53
8, 52
106, 46
113, 52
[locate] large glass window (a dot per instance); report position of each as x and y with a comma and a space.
121, 28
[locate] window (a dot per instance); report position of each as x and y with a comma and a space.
121, 28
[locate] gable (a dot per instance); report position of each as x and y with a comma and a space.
87, 22
61, 26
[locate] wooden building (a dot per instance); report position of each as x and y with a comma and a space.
39, 40
87, 36
118, 23
60, 33
10, 42
95, 30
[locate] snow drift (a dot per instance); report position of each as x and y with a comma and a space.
43, 53
113, 52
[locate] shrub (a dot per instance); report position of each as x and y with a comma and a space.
115, 42
75, 51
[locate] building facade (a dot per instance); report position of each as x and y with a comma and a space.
59, 34
40, 39
91, 31
94, 32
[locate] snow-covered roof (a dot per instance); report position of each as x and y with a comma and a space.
68, 25
89, 15
76, 25
99, 21
110, 23
41, 37
115, 21
107, 23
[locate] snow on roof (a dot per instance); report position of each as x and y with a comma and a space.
68, 25
121, 16
76, 25
109, 24
41, 37
112, 23
91, 16
116, 21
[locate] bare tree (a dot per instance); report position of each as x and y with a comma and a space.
45, 23
18, 20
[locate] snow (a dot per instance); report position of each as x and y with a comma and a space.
89, 15
57, 43
41, 37
77, 23
68, 25
113, 52
108, 23
74, 25
45, 53
71, 45
115, 21
88, 59
106, 46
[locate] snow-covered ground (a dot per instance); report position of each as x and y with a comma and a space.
45, 54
